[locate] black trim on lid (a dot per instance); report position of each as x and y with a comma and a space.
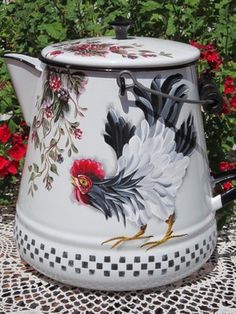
118, 69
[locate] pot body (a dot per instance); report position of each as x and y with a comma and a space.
60, 228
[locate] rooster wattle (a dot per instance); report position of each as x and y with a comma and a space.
152, 159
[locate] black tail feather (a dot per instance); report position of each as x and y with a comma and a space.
154, 106
118, 132
185, 137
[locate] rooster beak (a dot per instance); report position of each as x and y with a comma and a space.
74, 181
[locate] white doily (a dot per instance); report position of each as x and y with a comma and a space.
24, 289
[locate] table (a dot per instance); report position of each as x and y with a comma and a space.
22, 288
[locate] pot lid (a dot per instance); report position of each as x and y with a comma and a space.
110, 52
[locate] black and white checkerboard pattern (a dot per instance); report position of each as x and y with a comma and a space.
149, 264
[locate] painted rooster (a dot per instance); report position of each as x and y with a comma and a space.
152, 159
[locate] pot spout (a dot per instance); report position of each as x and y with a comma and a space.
25, 73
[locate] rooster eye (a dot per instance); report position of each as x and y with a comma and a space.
84, 182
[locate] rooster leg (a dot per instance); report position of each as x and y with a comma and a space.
167, 236
122, 239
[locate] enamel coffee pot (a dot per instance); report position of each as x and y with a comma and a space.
116, 192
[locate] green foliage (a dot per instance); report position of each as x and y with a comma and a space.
27, 26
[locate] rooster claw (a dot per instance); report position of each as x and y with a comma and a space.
121, 239
163, 240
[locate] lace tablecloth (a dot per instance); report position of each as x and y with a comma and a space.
24, 289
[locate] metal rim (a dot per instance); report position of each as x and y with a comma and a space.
102, 69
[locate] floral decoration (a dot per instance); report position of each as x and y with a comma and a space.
90, 48
54, 131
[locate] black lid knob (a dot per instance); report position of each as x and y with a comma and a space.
121, 26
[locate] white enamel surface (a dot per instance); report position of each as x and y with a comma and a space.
137, 52
56, 217
25, 77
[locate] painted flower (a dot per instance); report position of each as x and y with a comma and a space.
60, 159
5, 133
54, 83
56, 53
89, 49
17, 151
83, 173
63, 95
48, 112
78, 133
114, 49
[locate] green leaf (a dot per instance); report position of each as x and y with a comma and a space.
36, 168
67, 142
74, 148
32, 176
42, 158
53, 168
69, 153
55, 30
53, 142
62, 131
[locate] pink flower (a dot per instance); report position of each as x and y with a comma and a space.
48, 112
54, 83
56, 53
78, 133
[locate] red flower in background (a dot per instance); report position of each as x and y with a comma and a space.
225, 166
229, 87
208, 53
17, 151
5, 133
227, 185
8, 167
233, 102
17, 138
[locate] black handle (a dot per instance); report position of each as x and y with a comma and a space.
123, 87
208, 90
225, 176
